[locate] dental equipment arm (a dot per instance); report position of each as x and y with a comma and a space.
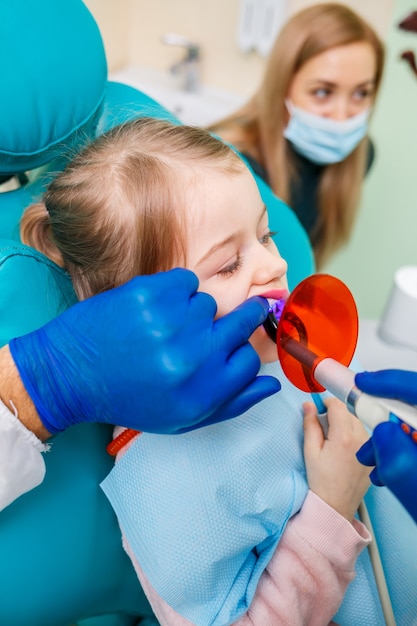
371, 410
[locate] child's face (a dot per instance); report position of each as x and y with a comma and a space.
230, 249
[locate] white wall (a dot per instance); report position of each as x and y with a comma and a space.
133, 30
114, 21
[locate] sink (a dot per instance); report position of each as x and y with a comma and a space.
197, 109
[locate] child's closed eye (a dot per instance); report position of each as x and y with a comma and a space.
233, 267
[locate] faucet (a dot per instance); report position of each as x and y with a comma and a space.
188, 66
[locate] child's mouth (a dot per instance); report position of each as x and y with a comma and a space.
276, 306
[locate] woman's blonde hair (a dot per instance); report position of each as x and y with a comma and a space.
118, 209
258, 127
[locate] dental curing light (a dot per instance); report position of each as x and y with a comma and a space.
316, 332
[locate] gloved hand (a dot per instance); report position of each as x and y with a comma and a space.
146, 355
397, 384
390, 450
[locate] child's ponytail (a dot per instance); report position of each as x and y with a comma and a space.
35, 231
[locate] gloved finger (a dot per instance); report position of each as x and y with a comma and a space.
148, 299
259, 389
236, 327
179, 278
395, 453
177, 285
262, 387
398, 384
225, 379
240, 369
375, 478
202, 306
366, 454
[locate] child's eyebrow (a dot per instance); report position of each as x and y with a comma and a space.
217, 246
227, 240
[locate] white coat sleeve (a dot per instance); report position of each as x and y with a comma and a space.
22, 466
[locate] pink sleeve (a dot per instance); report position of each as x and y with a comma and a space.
305, 580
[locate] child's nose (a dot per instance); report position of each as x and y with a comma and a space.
271, 268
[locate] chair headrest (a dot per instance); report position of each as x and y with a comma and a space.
53, 80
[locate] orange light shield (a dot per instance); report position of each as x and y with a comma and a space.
319, 315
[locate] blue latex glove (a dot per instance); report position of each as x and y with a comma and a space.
147, 356
390, 450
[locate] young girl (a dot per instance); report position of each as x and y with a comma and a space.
226, 524
305, 130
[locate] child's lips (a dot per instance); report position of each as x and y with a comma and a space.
276, 299
276, 294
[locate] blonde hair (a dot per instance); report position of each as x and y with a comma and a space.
257, 128
118, 209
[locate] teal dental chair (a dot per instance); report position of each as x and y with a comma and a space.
62, 561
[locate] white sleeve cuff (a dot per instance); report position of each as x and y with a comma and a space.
22, 466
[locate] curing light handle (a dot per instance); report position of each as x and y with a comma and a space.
340, 381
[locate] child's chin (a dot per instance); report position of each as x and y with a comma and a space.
268, 355
265, 347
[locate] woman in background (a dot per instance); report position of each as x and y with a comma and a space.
305, 130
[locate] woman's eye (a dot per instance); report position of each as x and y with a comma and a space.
232, 268
363, 94
267, 237
321, 93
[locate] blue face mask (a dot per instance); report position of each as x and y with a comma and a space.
323, 140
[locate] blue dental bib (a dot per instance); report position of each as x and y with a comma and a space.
203, 513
